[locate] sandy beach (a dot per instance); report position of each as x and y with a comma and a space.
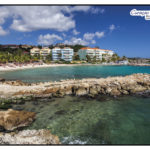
11, 67
29, 66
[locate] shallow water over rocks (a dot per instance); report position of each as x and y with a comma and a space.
103, 120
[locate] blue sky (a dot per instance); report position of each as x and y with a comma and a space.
109, 27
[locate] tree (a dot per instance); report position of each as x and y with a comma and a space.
51, 46
49, 57
20, 46
39, 46
103, 60
115, 58
94, 59
77, 47
76, 57
19, 52
88, 58
124, 58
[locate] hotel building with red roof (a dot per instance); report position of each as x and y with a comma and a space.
94, 52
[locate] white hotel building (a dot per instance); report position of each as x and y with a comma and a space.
92, 52
65, 53
43, 52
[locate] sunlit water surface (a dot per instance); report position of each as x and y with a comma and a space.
72, 72
104, 120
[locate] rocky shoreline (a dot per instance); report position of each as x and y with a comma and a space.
11, 121
19, 92
112, 86
29, 137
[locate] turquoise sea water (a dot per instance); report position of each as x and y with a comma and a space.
71, 72
78, 120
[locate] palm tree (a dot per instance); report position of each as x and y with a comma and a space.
88, 58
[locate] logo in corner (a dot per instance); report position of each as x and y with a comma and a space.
142, 13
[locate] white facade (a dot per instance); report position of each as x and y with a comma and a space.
35, 51
43, 52
65, 53
123, 62
109, 52
93, 52
56, 53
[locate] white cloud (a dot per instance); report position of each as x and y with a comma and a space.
75, 32
88, 36
91, 36
30, 18
112, 27
64, 35
93, 42
4, 13
3, 32
41, 17
81, 8
99, 34
97, 10
74, 41
48, 39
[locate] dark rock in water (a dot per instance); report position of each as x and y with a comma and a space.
14, 101
50, 118
41, 106
35, 103
2, 129
5, 106
102, 99
60, 112
82, 107
20, 102
145, 94
2, 79
91, 96
18, 108
56, 105
74, 111
29, 98
47, 100
13, 119
76, 100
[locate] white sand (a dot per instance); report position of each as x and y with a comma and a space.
30, 66
12, 67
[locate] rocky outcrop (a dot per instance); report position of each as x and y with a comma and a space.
113, 86
17, 83
13, 119
2, 79
29, 137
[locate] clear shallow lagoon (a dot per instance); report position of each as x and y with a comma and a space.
71, 72
123, 120
78, 120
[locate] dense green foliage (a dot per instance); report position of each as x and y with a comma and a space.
22, 55
76, 57
76, 47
